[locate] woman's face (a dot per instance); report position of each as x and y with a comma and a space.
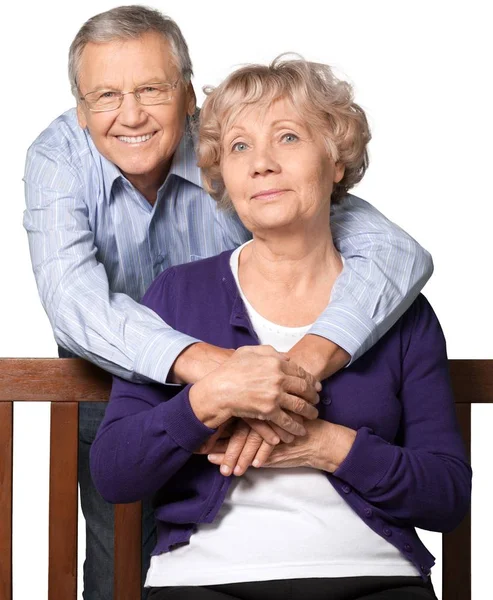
277, 172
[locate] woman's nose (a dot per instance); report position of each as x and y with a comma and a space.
264, 161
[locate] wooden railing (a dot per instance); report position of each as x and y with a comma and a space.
65, 383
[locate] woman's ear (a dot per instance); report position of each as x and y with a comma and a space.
339, 171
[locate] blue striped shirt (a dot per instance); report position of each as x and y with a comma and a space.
97, 244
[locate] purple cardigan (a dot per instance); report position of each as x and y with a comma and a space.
407, 467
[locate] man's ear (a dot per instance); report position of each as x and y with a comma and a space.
191, 100
81, 116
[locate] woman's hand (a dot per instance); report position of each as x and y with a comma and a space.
324, 447
257, 382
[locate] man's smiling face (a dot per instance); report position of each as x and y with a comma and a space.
139, 140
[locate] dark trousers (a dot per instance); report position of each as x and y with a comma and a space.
99, 516
344, 588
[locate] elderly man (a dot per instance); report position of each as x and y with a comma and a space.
114, 197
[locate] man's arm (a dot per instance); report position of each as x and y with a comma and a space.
109, 329
384, 271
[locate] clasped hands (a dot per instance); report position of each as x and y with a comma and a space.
263, 406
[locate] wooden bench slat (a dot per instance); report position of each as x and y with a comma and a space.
6, 437
457, 544
128, 553
62, 569
52, 379
472, 381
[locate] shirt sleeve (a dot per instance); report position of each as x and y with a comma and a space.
384, 271
109, 329
423, 479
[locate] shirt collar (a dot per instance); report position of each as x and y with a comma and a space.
110, 174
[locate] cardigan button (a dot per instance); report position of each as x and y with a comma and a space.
346, 489
424, 570
387, 532
408, 548
368, 513
327, 400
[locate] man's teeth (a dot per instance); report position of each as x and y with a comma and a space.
135, 140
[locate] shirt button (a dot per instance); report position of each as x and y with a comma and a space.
387, 532
327, 400
346, 489
408, 548
368, 513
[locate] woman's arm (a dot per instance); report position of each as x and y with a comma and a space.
146, 436
424, 479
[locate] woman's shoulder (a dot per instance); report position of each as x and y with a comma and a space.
187, 284
420, 329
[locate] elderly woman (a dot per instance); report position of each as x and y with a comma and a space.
330, 513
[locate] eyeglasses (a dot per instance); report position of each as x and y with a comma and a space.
148, 95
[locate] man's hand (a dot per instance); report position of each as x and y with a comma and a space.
257, 382
319, 356
197, 361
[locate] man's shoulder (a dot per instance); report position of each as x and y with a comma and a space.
62, 132
62, 155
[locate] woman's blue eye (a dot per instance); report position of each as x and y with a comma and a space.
239, 147
290, 137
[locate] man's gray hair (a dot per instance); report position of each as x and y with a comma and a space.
124, 23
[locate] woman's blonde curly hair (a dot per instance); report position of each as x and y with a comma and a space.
322, 100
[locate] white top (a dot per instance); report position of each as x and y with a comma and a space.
278, 523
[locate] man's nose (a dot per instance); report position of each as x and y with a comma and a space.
132, 113
263, 161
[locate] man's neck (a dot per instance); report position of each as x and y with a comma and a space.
148, 184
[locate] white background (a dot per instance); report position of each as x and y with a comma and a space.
422, 71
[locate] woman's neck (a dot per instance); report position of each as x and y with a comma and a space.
288, 279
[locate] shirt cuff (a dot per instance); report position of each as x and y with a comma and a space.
368, 461
157, 356
348, 327
182, 424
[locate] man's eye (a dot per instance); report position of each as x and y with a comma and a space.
107, 94
239, 147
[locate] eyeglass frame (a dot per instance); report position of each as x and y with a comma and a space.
172, 87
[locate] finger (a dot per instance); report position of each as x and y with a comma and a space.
298, 386
292, 369
268, 432
219, 447
262, 455
216, 458
286, 437
286, 422
209, 444
250, 449
235, 446
298, 406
